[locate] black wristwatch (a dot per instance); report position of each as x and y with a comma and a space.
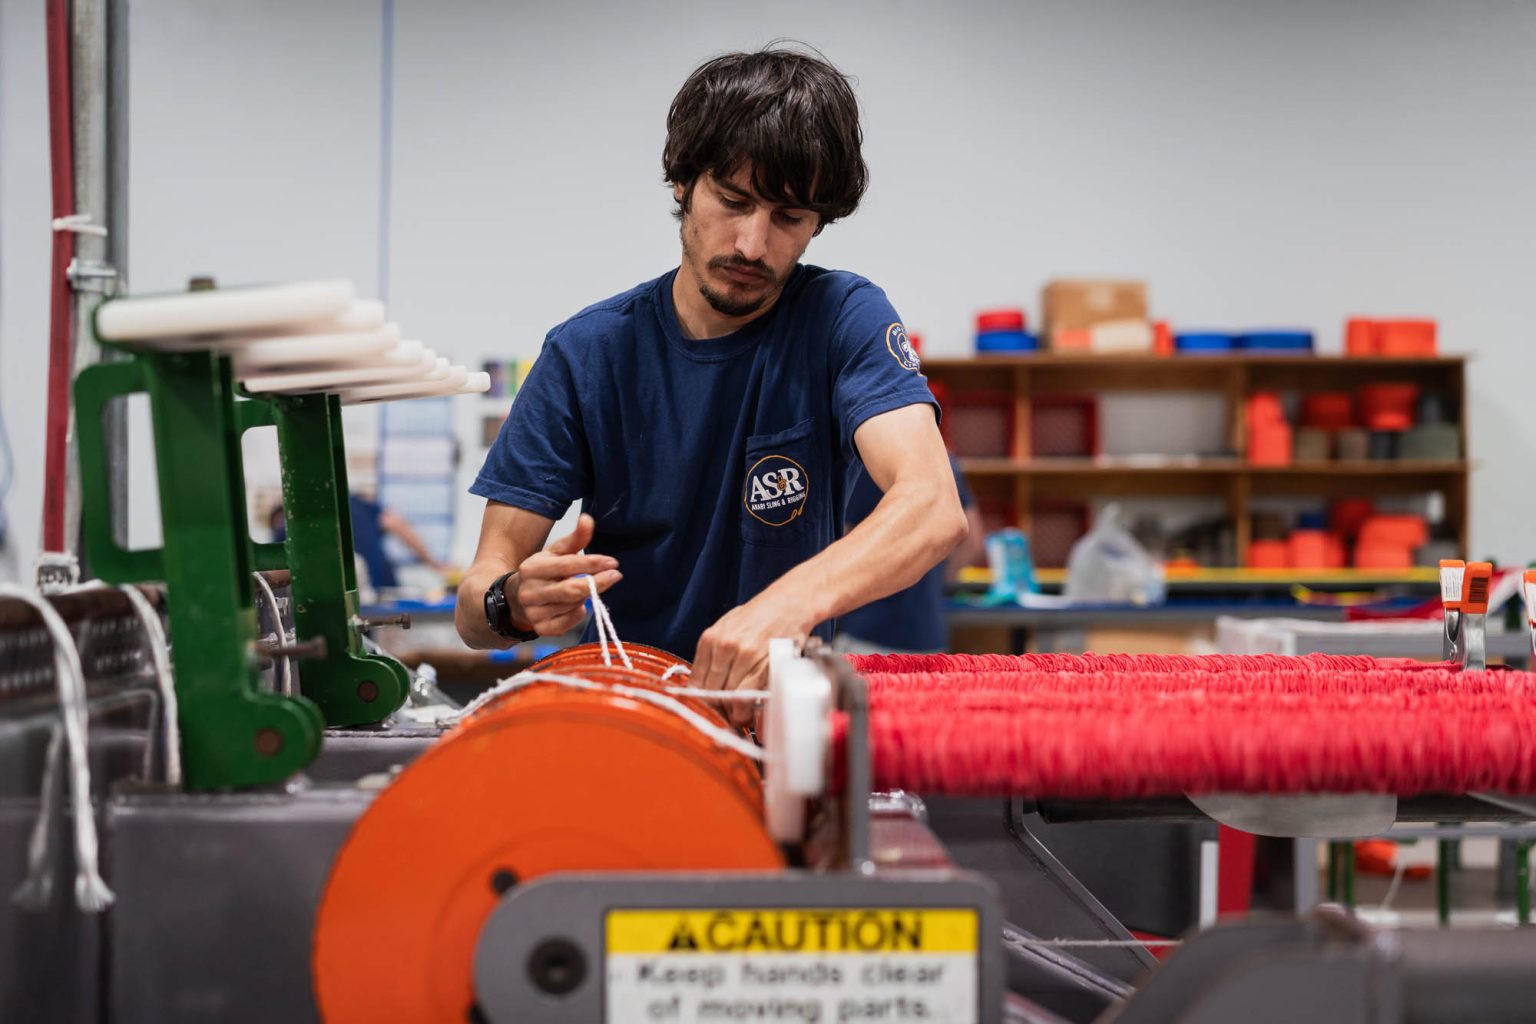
498, 612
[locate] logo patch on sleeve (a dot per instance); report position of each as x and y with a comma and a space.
776, 490
901, 347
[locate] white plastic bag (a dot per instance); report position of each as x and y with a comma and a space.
1108, 566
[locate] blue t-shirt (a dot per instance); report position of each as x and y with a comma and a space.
910, 619
711, 467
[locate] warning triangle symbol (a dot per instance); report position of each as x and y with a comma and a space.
682, 938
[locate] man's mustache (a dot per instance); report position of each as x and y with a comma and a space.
742, 263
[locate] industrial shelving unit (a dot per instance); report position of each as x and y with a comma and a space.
1021, 480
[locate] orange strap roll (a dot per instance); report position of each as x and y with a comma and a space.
545, 778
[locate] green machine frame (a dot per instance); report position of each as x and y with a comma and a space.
234, 733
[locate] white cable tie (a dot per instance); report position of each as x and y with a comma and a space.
80, 224
724, 737
92, 894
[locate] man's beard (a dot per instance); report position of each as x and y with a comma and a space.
722, 302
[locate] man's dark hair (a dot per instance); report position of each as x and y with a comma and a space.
791, 115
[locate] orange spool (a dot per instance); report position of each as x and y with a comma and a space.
645, 659
545, 779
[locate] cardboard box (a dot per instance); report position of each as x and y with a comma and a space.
1071, 305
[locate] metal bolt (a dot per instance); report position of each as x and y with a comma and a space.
268, 742
503, 879
367, 691
557, 966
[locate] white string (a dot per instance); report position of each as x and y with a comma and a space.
92, 894
285, 680
80, 224
727, 696
676, 670
724, 737
36, 890
604, 624
154, 635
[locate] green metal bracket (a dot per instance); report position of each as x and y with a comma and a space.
351, 686
233, 734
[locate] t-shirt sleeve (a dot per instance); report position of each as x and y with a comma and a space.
540, 461
876, 368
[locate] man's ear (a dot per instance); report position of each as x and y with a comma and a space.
677, 191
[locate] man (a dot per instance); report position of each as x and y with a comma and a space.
910, 621
707, 419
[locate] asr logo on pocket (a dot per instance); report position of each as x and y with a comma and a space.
901, 346
776, 490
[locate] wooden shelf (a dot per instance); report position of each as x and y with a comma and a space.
1021, 483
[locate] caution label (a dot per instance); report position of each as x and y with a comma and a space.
792, 964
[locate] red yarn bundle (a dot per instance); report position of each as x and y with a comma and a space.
1118, 726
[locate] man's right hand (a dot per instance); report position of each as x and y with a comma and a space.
551, 593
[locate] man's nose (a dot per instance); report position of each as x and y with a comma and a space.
752, 235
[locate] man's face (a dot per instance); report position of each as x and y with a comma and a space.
740, 247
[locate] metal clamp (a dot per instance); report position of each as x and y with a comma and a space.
92, 276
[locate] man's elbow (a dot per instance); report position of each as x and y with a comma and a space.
949, 526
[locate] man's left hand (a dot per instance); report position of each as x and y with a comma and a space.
733, 653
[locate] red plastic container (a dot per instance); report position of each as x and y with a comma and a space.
1308, 549
1328, 410
1001, 320
1388, 405
1359, 336
1269, 554
1347, 515
1406, 338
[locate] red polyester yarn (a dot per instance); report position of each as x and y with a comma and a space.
1122, 726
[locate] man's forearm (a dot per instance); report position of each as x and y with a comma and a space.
910, 531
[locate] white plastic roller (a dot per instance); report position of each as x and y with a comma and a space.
408, 361
459, 382
223, 310
313, 349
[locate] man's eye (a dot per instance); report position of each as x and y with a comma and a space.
791, 218
732, 204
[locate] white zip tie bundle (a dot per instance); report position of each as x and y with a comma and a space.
604, 623
724, 737
80, 224
91, 892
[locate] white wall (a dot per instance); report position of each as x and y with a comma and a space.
1258, 163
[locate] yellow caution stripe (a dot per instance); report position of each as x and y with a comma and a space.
872, 930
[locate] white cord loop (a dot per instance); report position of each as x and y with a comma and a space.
604, 623
165, 679
724, 737
91, 892
80, 224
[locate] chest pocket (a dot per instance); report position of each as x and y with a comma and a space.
784, 492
